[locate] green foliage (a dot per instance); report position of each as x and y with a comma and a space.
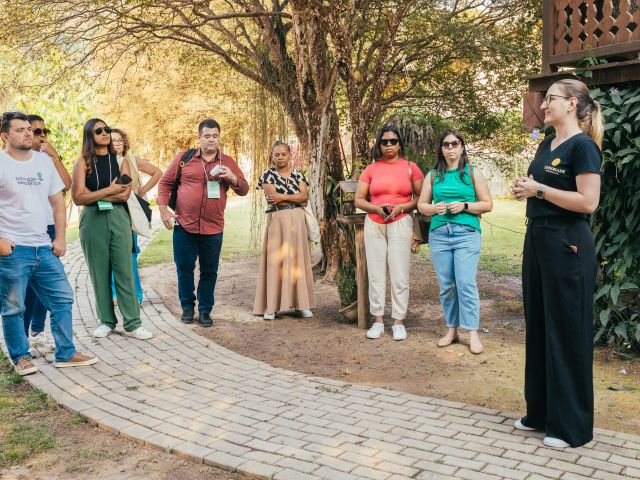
616, 223
347, 287
65, 105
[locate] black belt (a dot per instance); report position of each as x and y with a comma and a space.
275, 208
554, 220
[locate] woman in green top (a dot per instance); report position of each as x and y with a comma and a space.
454, 194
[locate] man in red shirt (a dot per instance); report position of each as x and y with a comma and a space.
199, 217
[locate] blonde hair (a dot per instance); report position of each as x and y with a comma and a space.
588, 111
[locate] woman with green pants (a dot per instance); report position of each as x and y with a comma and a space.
105, 229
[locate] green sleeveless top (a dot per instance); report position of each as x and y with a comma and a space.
453, 189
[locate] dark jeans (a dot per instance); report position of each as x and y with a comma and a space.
35, 313
187, 247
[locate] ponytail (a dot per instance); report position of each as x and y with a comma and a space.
588, 111
593, 126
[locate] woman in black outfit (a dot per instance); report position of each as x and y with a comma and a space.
559, 267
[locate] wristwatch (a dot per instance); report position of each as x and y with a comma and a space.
540, 192
466, 206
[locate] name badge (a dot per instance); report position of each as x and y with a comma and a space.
213, 189
102, 205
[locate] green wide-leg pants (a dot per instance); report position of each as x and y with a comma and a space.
106, 240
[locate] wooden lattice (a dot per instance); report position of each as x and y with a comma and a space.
581, 25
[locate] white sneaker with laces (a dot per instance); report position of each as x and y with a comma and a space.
399, 332
521, 426
140, 333
41, 339
304, 313
555, 442
269, 316
102, 331
376, 330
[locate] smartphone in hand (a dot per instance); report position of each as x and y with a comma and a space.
386, 209
124, 179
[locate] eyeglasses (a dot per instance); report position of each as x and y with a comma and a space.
549, 98
38, 132
99, 130
448, 145
117, 141
389, 141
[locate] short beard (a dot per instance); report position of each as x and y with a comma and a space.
22, 147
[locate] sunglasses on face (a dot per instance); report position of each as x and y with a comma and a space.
99, 130
38, 132
389, 141
454, 144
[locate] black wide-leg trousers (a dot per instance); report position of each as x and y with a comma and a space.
558, 280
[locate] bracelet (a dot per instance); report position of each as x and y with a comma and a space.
401, 209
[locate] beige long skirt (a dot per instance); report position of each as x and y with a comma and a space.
285, 280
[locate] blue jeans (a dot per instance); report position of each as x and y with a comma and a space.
136, 276
35, 314
187, 247
455, 252
38, 267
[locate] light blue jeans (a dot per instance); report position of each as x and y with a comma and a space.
43, 271
455, 252
136, 275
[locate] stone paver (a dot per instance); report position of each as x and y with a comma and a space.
182, 393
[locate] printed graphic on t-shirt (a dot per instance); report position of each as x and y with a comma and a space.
34, 181
554, 168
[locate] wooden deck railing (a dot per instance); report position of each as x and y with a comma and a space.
574, 29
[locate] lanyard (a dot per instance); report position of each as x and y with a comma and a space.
204, 170
95, 167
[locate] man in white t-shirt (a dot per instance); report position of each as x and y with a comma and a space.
35, 314
29, 183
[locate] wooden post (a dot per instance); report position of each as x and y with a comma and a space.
548, 32
362, 281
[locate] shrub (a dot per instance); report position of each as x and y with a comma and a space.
616, 223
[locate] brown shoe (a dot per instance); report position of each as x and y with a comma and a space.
79, 359
25, 366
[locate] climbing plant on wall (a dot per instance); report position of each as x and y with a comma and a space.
616, 223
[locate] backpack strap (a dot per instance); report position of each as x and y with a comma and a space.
186, 158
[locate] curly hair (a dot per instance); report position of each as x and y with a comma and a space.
125, 139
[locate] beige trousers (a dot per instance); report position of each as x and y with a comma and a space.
388, 246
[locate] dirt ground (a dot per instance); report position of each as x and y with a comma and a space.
325, 347
83, 451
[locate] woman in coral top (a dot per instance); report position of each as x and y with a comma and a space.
388, 191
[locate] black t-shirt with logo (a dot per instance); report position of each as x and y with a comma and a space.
559, 168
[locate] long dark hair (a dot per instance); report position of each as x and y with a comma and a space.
88, 145
377, 151
441, 163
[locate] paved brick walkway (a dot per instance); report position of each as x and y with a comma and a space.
184, 394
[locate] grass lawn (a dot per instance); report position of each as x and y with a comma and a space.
24, 431
236, 242
501, 249
73, 232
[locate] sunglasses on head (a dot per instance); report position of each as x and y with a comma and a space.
389, 141
38, 132
454, 144
99, 130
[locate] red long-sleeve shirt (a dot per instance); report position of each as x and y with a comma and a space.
196, 213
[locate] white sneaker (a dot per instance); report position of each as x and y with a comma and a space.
140, 333
521, 426
269, 316
304, 313
399, 333
102, 331
376, 330
42, 339
555, 442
